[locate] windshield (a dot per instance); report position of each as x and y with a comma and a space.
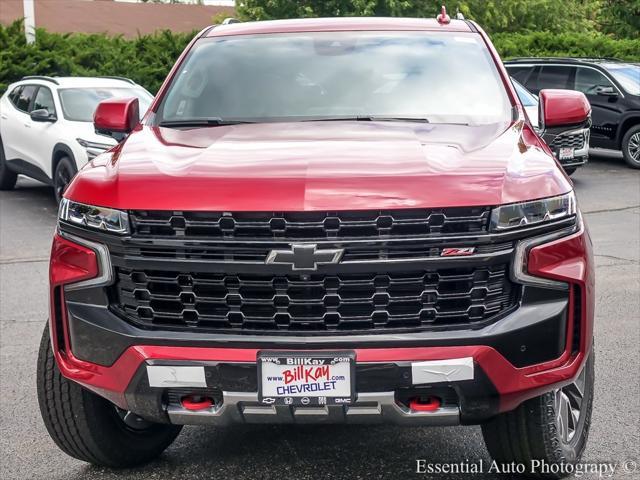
441, 78
527, 98
627, 75
79, 104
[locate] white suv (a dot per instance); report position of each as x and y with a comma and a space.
46, 126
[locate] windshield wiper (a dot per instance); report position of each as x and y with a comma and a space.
200, 122
367, 118
216, 121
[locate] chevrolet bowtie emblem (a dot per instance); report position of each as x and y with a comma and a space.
304, 256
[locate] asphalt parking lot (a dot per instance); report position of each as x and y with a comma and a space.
609, 195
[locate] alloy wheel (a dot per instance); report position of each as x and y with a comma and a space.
634, 147
568, 407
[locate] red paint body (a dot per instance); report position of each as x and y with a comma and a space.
340, 166
117, 115
563, 107
321, 166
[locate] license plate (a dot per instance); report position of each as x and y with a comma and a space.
306, 378
566, 154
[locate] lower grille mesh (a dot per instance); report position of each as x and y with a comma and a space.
575, 140
316, 302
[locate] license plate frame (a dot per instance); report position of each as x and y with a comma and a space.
343, 362
566, 153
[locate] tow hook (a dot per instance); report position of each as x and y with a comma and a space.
425, 404
196, 402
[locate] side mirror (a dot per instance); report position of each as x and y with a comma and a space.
606, 91
559, 108
42, 115
116, 117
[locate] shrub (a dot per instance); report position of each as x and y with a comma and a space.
542, 44
145, 59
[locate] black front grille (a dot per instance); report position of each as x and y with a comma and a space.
310, 225
575, 140
346, 302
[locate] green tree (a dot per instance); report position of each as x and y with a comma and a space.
276, 9
494, 15
532, 15
620, 18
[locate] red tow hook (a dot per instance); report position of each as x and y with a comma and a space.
195, 402
430, 404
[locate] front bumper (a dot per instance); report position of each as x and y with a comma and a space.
383, 383
533, 349
577, 161
580, 158
556, 138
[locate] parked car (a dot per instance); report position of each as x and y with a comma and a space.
529, 102
323, 221
570, 145
612, 87
46, 126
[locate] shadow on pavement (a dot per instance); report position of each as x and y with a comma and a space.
298, 452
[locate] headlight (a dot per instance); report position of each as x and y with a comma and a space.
93, 148
514, 215
97, 218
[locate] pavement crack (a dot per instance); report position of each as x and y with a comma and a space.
606, 210
620, 259
13, 261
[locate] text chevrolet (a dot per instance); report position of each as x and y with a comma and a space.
329, 220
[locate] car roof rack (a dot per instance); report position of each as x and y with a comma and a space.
40, 77
114, 77
230, 20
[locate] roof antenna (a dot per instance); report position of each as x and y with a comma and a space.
443, 18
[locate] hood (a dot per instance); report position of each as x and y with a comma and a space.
321, 166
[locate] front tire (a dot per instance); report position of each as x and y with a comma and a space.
631, 147
8, 177
64, 173
570, 170
552, 428
90, 428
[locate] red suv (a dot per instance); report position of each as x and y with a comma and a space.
328, 220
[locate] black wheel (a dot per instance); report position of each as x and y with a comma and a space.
631, 147
65, 170
570, 170
8, 177
90, 428
552, 428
